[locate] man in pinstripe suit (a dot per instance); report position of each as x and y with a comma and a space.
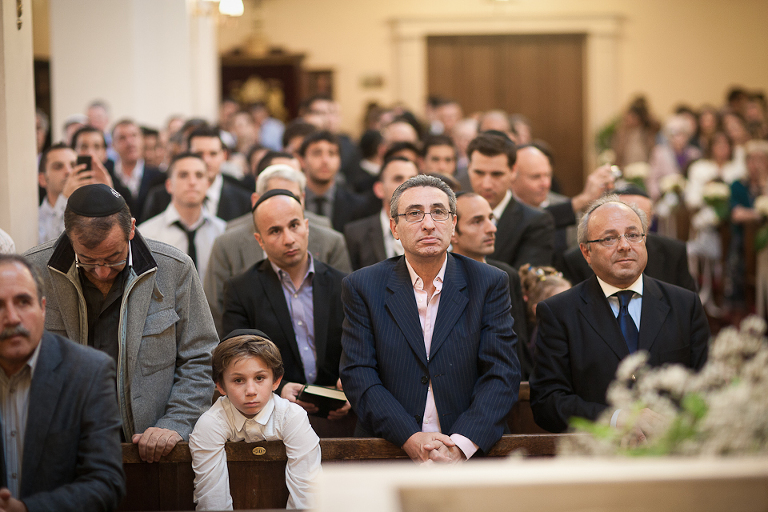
429, 360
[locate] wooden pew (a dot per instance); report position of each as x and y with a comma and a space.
520, 418
257, 470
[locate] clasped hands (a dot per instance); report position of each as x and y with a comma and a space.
648, 423
431, 447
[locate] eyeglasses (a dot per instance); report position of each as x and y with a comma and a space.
438, 215
610, 241
90, 267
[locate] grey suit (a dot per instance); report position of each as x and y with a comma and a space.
167, 333
237, 250
72, 457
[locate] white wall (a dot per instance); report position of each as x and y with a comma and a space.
143, 57
18, 165
671, 50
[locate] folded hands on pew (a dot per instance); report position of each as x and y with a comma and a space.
155, 442
431, 447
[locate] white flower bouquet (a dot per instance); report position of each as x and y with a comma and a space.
721, 410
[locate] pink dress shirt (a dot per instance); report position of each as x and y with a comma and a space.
427, 315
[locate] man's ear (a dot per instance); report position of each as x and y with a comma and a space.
585, 252
133, 229
378, 189
41, 180
168, 185
393, 228
257, 236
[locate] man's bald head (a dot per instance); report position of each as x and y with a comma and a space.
532, 176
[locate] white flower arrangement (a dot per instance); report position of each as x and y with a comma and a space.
606, 157
705, 218
761, 205
636, 170
715, 191
672, 183
721, 410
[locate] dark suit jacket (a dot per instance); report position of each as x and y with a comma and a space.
365, 242
348, 206
667, 261
233, 202
472, 363
255, 300
579, 346
524, 235
151, 178
72, 457
519, 315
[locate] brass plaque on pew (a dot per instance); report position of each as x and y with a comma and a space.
259, 450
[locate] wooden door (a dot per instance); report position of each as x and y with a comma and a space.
539, 76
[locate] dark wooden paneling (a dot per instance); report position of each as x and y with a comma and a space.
539, 76
257, 470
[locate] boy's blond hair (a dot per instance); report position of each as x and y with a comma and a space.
246, 345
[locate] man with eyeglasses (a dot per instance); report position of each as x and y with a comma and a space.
429, 359
585, 332
141, 302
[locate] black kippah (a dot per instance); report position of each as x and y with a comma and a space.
245, 332
272, 193
96, 200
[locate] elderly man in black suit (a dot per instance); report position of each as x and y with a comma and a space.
585, 332
369, 239
292, 297
59, 408
667, 257
525, 234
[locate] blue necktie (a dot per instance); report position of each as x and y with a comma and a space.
627, 325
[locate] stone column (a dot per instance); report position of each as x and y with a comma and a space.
18, 163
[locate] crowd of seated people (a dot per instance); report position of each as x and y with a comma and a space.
705, 169
273, 215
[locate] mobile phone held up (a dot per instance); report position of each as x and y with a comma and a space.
85, 159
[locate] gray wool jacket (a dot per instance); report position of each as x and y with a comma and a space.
166, 331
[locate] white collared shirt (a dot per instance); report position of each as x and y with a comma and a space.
14, 406
371, 168
635, 304
50, 223
392, 246
161, 228
279, 420
635, 308
499, 210
132, 182
213, 194
428, 307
